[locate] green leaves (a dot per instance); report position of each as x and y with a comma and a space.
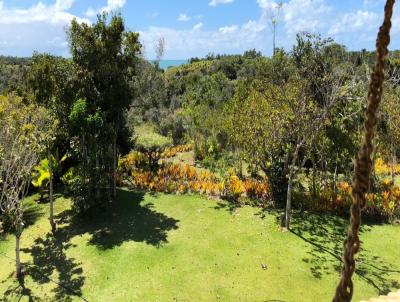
149, 141
41, 174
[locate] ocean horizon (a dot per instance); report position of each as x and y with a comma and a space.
165, 64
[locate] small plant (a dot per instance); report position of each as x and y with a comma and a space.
41, 173
41, 177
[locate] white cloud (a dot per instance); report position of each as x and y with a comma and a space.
112, 5
228, 29
268, 4
198, 42
295, 16
40, 27
305, 15
53, 14
217, 2
352, 22
184, 17
198, 26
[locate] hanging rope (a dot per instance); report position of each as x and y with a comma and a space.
363, 163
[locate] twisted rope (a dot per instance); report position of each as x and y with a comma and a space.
363, 162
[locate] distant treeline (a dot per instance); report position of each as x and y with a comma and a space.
13, 70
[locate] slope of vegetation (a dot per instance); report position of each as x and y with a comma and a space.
174, 248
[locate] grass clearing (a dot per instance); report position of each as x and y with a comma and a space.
157, 247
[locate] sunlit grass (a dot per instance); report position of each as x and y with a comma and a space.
161, 247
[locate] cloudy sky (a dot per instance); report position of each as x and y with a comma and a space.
195, 27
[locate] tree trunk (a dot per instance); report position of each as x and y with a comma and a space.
51, 196
314, 176
289, 200
98, 177
290, 186
286, 163
335, 180
18, 268
115, 167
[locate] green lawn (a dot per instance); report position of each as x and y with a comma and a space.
186, 248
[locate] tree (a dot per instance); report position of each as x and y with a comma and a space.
22, 131
313, 108
203, 103
105, 55
51, 81
258, 119
391, 119
274, 15
159, 49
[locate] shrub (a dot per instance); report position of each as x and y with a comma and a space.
234, 187
152, 145
383, 205
41, 176
383, 168
132, 161
181, 179
173, 151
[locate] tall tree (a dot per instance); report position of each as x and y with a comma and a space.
51, 81
105, 54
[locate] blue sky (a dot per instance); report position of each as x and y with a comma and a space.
195, 27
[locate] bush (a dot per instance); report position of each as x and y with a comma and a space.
219, 163
382, 168
181, 179
382, 205
152, 145
234, 188
173, 151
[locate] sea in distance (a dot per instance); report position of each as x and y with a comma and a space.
164, 64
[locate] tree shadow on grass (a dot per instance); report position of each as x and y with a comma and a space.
325, 234
227, 205
32, 213
126, 219
49, 257
17, 291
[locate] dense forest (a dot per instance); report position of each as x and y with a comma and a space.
276, 132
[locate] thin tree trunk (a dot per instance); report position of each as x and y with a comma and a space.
314, 176
51, 197
290, 187
18, 268
115, 167
335, 180
98, 178
289, 200
286, 163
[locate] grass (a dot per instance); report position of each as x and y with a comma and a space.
160, 247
